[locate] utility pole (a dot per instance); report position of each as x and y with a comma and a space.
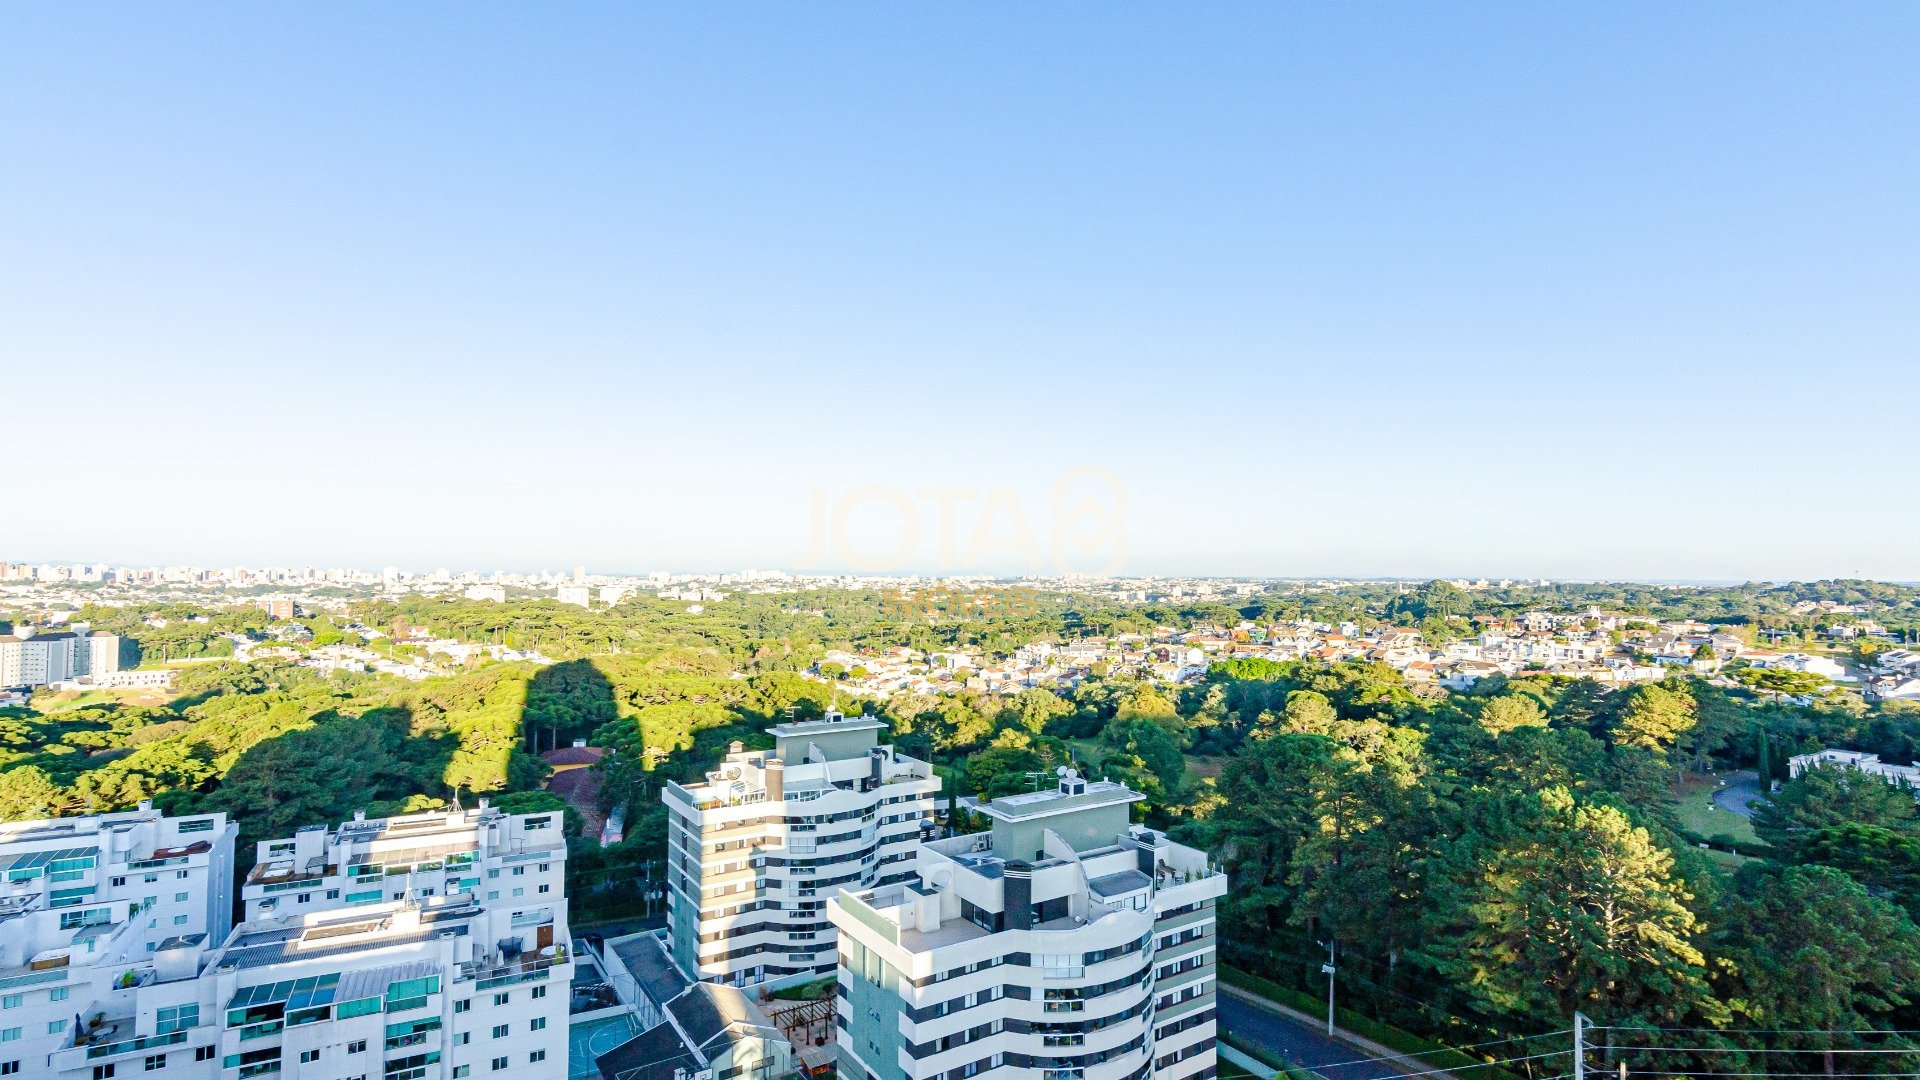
1329, 968
1579, 1047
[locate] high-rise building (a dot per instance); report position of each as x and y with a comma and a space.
1064, 943
755, 851
30, 659
103, 920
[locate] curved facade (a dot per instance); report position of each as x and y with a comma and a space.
754, 853
1065, 945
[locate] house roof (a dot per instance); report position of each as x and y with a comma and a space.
712, 1012
650, 967
654, 1054
573, 755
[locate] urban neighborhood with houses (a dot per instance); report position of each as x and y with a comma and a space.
712, 827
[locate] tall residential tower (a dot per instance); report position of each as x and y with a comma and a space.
754, 852
1064, 945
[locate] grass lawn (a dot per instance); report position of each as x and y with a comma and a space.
48, 702
1694, 801
1229, 1071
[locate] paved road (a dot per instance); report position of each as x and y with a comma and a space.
1742, 788
1298, 1043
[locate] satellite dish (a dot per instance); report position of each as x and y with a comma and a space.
1061, 771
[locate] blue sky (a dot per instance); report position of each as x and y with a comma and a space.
1621, 290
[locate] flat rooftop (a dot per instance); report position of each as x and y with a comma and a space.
824, 727
1039, 804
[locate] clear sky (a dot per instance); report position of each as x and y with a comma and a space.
1623, 290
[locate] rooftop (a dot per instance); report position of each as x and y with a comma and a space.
824, 727
1039, 804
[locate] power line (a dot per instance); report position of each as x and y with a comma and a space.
1767, 1031
1680, 1072
1462, 1068
1456, 1049
1759, 1050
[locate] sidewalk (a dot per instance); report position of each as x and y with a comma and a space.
1366, 1047
1247, 1062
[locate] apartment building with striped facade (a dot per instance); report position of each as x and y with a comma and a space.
1065, 944
755, 851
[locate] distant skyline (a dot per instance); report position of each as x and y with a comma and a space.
1615, 292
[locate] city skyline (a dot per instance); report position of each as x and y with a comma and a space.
1548, 292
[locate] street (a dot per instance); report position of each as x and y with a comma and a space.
1742, 789
1298, 1043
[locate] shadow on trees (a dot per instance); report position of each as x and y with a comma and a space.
565, 701
374, 762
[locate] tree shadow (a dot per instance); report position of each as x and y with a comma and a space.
565, 701
321, 774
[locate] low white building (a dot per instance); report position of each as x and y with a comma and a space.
1870, 764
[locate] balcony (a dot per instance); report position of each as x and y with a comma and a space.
97, 1049
526, 970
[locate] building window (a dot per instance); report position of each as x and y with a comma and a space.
8, 1068
499, 1031
539, 992
204, 1053
55, 1027
155, 1062
539, 1024
179, 920
537, 1055
462, 1070
103, 1072
58, 993
12, 1001
500, 998
499, 1064
11, 1034
173, 1018
308, 1057
463, 1005
357, 1046
180, 898
462, 1038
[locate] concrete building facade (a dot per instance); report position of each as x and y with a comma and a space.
1065, 944
95, 911
756, 850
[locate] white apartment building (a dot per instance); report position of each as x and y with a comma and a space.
1064, 945
426, 946
93, 911
29, 659
754, 852
513, 860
